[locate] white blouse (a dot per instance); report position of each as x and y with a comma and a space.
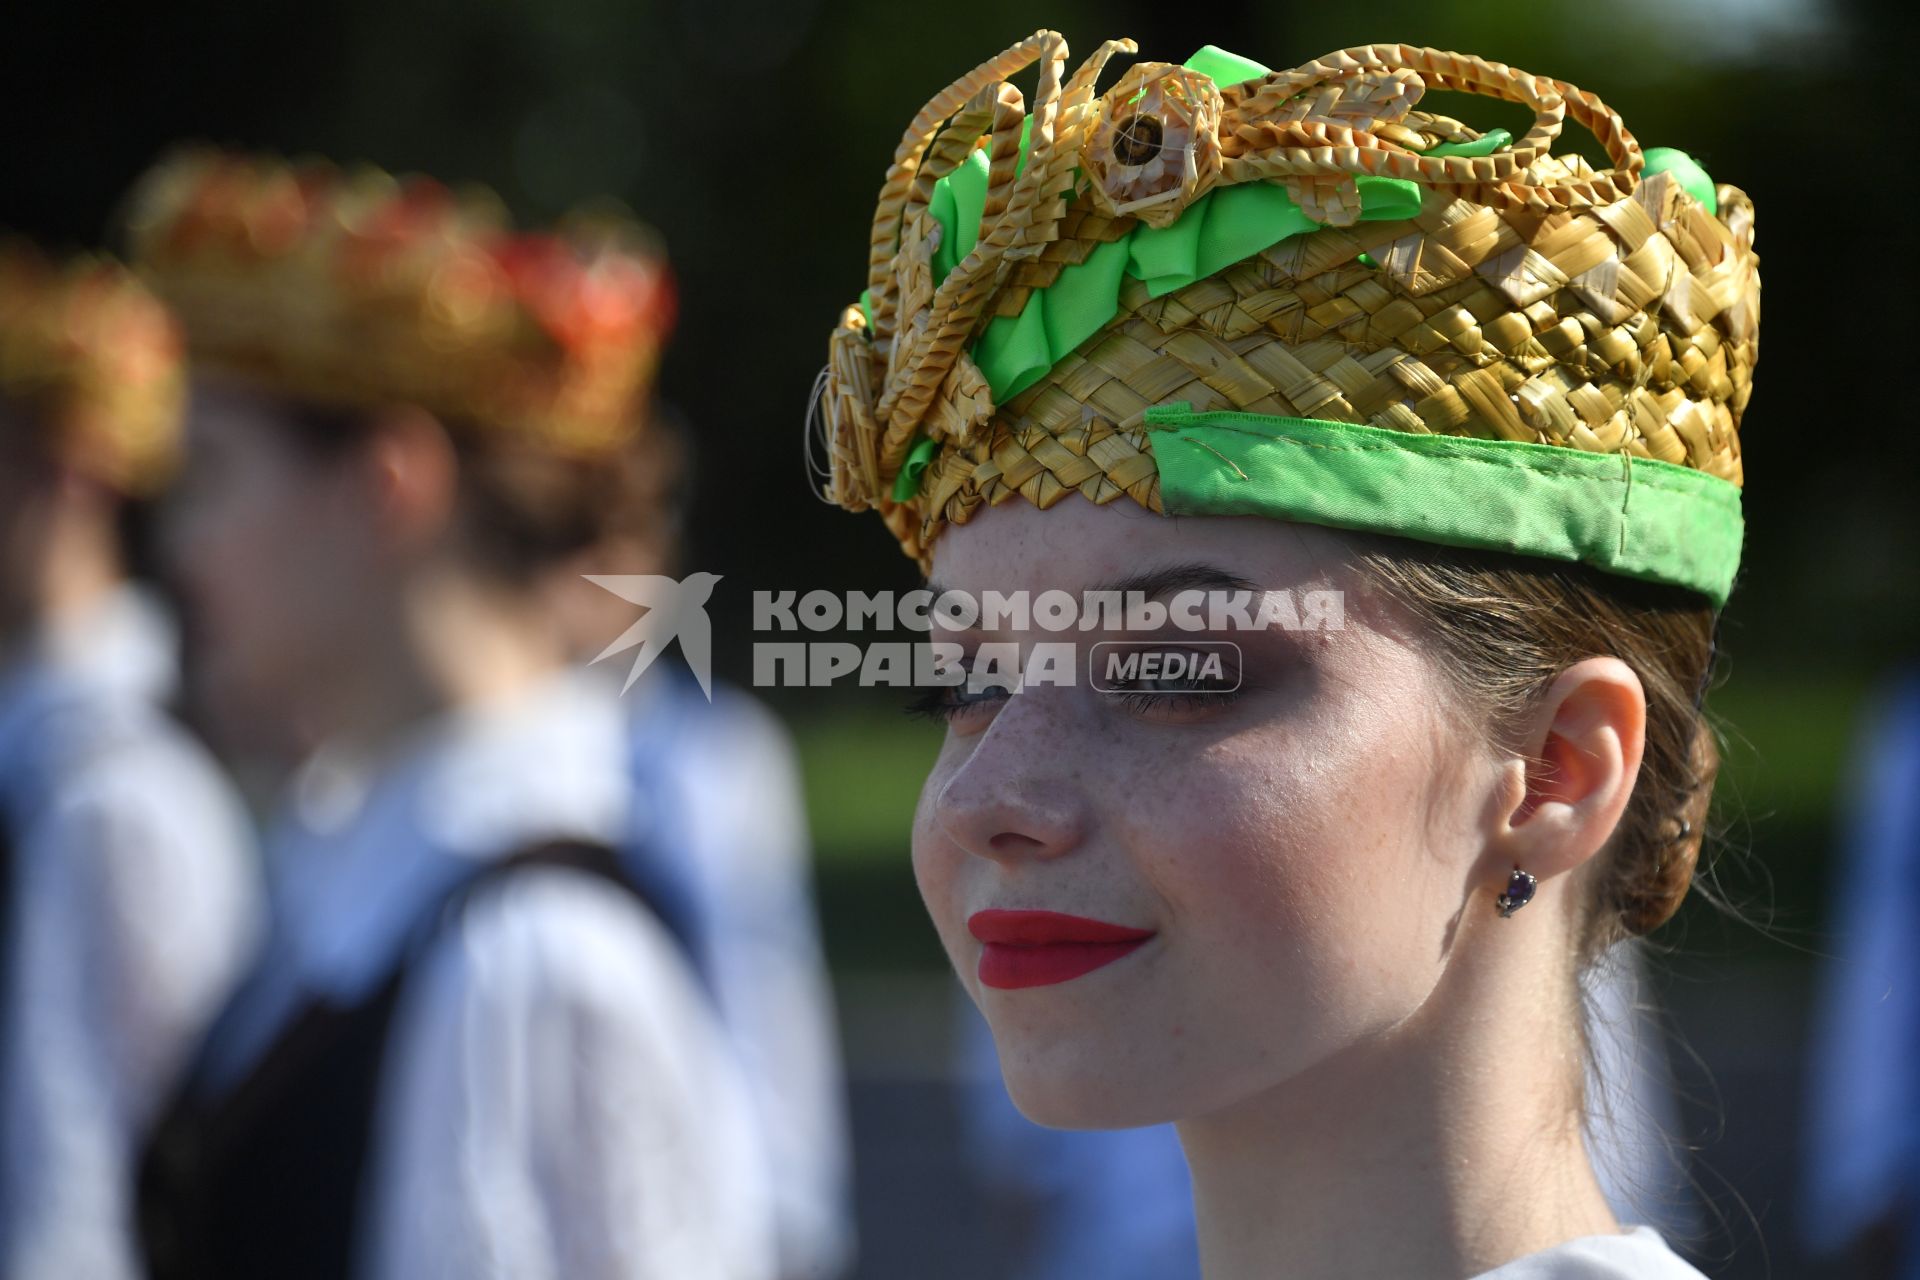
1638, 1253
558, 1100
720, 814
135, 903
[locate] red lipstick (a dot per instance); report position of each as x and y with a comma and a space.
1038, 948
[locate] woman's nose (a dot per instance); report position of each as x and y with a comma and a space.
1018, 795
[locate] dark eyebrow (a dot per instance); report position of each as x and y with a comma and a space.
1193, 575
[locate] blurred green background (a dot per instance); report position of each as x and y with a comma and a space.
754, 134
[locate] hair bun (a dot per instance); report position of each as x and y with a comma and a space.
1651, 897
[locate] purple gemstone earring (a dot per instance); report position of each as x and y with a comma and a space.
1520, 887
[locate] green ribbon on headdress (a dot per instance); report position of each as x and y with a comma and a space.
1214, 232
1636, 517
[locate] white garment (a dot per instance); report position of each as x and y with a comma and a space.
557, 1101
1638, 1253
721, 818
135, 903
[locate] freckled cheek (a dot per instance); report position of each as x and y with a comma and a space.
1237, 872
938, 864
1250, 846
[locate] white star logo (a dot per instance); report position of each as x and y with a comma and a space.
674, 609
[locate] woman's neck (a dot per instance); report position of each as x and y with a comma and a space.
72, 564
453, 642
1442, 1149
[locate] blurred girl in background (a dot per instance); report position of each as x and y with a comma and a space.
472, 1046
128, 893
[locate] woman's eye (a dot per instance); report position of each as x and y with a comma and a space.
957, 702
1145, 680
1148, 679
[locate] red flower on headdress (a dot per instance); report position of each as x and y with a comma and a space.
585, 294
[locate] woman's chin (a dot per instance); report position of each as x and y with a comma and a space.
1091, 1099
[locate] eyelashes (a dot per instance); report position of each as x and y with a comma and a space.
1195, 690
965, 697
947, 703
1195, 695
1143, 702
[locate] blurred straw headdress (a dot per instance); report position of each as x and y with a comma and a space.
93, 360
361, 288
1220, 289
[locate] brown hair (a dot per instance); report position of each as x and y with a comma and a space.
523, 509
1506, 626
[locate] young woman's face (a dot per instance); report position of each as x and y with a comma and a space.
271, 546
1298, 850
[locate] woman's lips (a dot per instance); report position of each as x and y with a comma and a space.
1038, 948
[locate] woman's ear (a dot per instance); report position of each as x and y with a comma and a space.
1583, 744
411, 475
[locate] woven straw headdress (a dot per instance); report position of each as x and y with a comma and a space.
1216, 288
363, 289
94, 362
